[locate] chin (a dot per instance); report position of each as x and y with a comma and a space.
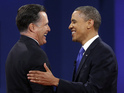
42, 43
74, 40
45, 42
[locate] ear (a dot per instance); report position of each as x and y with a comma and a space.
31, 27
90, 23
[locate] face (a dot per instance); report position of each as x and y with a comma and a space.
42, 28
78, 27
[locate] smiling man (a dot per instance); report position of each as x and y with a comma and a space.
26, 54
96, 66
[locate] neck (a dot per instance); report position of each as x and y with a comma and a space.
89, 36
28, 34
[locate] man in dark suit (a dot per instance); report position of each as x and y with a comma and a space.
26, 54
97, 70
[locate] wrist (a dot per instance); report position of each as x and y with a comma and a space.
56, 82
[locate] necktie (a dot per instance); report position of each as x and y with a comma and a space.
79, 57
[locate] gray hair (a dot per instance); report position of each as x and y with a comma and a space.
90, 12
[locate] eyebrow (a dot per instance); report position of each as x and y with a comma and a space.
73, 20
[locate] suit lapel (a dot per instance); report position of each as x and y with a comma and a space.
81, 63
86, 55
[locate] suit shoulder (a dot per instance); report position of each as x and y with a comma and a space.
102, 46
103, 51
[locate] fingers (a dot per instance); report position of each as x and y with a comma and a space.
33, 75
39, 77
35, 72
35, 80
47, 69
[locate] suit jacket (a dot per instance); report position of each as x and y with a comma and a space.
25, 55
97, 72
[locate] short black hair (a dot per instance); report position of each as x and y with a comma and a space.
90, 12
28, 14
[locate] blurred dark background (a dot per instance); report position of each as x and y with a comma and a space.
60, 49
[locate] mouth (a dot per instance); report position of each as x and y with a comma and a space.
45, 34
73, 31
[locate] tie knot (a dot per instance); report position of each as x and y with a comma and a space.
81, 50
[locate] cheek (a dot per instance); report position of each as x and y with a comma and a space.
41, 32
81, 28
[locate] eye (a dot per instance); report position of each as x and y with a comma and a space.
74, 22
46, 24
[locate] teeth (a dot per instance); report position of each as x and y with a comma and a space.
73, 32
45, 34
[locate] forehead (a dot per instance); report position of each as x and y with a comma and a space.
43, 15
43, 18
77, 15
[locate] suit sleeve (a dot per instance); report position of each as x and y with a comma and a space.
37, 61
103, 72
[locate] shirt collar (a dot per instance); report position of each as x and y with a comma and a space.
33, 39
88, 43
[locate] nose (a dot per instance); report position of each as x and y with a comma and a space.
48, 28
70, 26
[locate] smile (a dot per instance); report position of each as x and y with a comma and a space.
45, 35
73, 32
